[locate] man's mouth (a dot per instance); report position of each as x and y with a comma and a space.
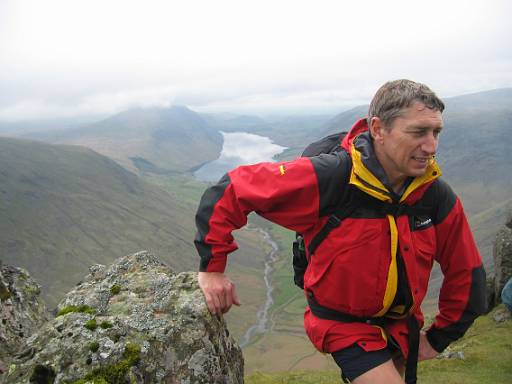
423, 159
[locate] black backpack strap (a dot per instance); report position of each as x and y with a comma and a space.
334, 221
346, 206
411, 365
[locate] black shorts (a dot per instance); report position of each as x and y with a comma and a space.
354, 360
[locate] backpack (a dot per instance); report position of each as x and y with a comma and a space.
328, 144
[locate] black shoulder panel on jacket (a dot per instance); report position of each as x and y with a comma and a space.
333, 173
204, 212
443, 198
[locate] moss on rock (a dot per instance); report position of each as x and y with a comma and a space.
115, 289
76, 308
91, 325
4, 293
94, 346
115, 373
106, 325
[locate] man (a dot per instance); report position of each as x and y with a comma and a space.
372, 271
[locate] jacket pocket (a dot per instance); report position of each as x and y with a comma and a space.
348, 272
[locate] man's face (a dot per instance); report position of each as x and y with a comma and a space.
409, 144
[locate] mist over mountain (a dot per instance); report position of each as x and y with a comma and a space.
174, 138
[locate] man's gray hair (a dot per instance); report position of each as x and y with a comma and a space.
394, 97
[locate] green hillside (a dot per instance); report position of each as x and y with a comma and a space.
487, 350
64, 208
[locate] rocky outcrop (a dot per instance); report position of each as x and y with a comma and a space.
22, 312
133, 322
502, 254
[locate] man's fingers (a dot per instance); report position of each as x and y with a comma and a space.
221, 297
227, 296
236, 300
228, 302
217, 305
231, 297
219, 292
211, 303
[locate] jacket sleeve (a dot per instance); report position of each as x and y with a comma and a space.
284, 193
462, 297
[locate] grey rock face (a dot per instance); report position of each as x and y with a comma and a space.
502, 253
133, 322
22, 312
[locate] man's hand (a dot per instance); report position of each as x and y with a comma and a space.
219, 292
426, 351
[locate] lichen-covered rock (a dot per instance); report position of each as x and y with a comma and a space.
502, 253
134, 322
22, 312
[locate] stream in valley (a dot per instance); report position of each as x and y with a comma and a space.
263, 322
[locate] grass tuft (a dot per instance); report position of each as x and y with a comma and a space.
76, 308
115, 289
91, 325
94, 346
106, 325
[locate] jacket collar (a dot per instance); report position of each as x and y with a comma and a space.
368, 174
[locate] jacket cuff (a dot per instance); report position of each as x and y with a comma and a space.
437, 339
215, 264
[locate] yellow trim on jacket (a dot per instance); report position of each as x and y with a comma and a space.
366, 181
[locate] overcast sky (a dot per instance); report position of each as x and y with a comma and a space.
65, 58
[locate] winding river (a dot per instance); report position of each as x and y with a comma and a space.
263, 322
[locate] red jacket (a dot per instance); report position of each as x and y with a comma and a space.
355, 270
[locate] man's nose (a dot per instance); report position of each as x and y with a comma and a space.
430, 144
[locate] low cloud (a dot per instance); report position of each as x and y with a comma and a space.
96, 104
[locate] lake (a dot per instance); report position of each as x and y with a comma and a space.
239, 148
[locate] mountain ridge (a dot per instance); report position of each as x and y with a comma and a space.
174, 138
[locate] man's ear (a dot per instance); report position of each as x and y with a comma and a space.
376, 129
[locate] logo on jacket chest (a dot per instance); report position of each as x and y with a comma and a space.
421, 222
